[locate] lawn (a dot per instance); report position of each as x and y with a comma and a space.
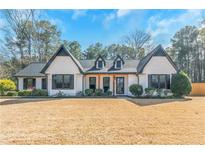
102, 121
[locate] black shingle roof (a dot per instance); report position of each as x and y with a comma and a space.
32, 69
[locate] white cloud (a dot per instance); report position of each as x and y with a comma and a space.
167, 26
115, 15
123, 12
78, 13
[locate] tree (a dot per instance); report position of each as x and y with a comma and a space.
27, 39
137, 40
188, 53
95, 50
6, 85
75, 48
181, 84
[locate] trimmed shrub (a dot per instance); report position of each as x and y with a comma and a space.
181, 84
11, 93
136, 89
108, 93
89, 92
6, 85
25, 93
98, 92
39, 92
150, 91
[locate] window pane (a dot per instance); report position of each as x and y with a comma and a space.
118, 64
154, 81
57, 81
29, 83
100, 64
162, 81
68, 81
106, 83
92, 83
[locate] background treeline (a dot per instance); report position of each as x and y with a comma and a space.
29, 38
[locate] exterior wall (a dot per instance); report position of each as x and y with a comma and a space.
157, 65
64, 65
132, 79
38, 83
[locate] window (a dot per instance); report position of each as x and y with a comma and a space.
100, 64
159, 81
106, 83
44, 83
92, 83
118, 64
63, 81
29, 83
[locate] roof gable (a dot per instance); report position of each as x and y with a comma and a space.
62, 51
158, 51
119, 57
100, 58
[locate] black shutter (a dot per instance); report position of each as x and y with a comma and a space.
149, 80
167, 81
72, 81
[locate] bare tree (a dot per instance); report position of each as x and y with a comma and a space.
138, 40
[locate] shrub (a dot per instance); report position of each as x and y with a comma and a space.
60, 94
79, 93
149, 91
39, 92
136, 89
6, 85
108, 93
89, 92
98, 92
11, 93
181, 84
25, 93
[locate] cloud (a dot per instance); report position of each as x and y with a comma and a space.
115, 15
159, 27
78, 13
122, 12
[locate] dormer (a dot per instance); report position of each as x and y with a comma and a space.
100, 62
118, 62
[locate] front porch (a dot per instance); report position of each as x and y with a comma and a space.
118, 84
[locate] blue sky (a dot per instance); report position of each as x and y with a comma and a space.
109, 26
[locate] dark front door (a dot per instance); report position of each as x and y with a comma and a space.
119, 85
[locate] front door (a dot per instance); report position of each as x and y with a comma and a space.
119, 85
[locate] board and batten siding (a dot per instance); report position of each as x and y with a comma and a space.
64, 65
156, 65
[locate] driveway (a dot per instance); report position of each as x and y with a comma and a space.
102, 121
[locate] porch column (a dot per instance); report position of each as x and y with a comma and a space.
99, 81
20, 83
113, 85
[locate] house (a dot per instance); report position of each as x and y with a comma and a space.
63, 72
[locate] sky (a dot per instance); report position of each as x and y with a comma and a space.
109, 26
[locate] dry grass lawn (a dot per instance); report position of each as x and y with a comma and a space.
102, 121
